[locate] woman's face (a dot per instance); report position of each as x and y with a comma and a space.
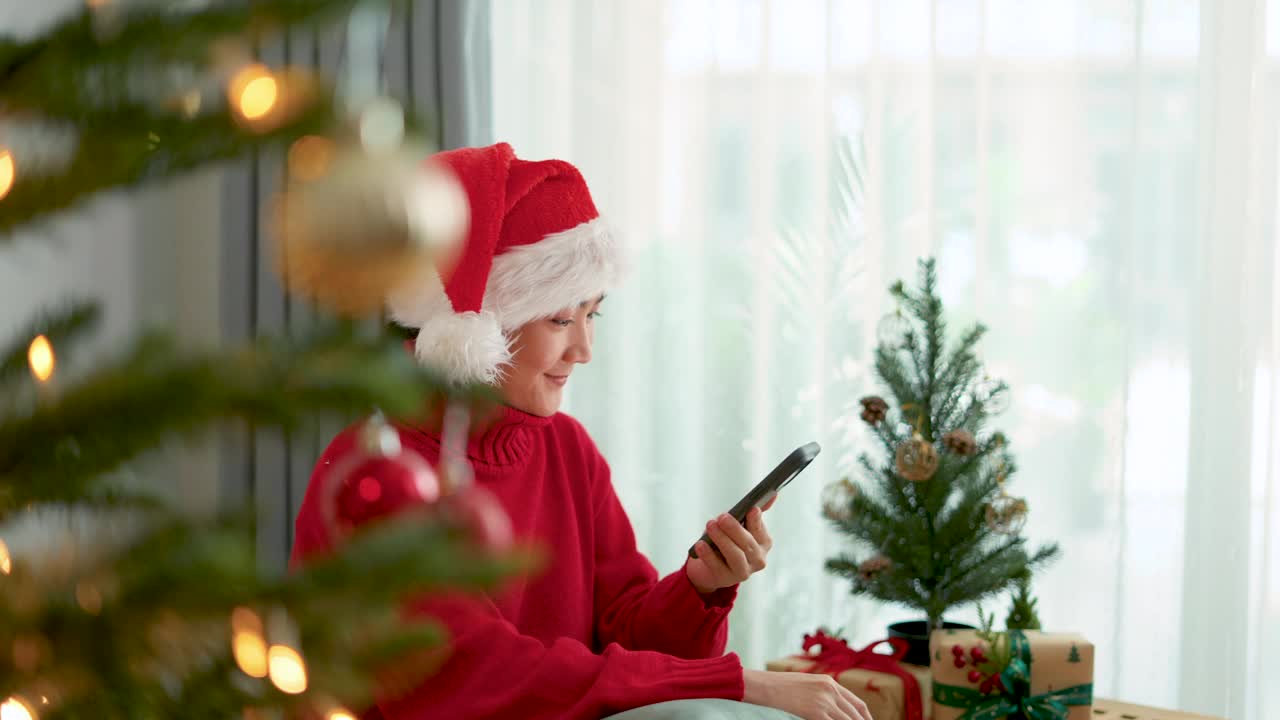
543, 355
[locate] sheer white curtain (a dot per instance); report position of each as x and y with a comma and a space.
1098, 180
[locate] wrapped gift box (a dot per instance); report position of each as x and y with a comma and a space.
1052, 672
884, 693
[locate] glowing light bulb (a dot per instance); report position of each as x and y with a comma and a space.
7, 172
15, 708
287, 669
40, 357
250, 651
339, 715
6, 563
255, 92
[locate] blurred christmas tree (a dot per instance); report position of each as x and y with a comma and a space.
158, 614
934, 523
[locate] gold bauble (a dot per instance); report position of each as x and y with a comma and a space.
837, 500
355, 223
1007, 515
917, 460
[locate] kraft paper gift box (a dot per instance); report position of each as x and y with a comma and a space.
1048, 676
884, 693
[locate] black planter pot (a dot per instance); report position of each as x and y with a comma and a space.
916, 633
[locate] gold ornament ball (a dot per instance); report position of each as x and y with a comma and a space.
917, 460
1007, 515
353, 224
837, 500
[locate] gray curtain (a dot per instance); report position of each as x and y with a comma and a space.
435, 60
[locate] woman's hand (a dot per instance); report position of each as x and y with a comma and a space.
744, 550
810, 696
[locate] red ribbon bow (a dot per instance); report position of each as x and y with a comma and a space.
834, 656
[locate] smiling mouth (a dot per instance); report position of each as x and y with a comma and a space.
557, 379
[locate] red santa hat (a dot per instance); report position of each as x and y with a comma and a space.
536, 246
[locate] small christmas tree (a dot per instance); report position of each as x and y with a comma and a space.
1022, 610
933, 525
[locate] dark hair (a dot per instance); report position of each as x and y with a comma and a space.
404, 333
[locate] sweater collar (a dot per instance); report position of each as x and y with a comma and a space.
508, 439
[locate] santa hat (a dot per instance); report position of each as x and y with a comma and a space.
536, 246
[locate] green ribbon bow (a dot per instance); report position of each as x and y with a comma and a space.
1016, 700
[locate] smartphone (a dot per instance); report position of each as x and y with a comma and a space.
764, 491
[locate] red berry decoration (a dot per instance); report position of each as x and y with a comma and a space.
959, 661
977, 654
957, 650
974, 676
985, 687
377, 479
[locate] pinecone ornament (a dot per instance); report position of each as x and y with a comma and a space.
872, 567
960, 442
874, 409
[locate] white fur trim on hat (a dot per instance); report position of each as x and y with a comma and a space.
466, 347
556, 273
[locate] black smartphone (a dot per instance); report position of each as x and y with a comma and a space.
764, 491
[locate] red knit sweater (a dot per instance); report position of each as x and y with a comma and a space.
594, 634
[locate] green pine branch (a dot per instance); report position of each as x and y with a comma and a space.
59, 449
155, 641
60, 327
1022, 608
36, 73
80, 81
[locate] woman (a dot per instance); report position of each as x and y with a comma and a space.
597, 632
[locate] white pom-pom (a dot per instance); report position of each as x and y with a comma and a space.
466, 347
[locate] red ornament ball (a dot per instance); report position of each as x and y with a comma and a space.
377, 479
478, 512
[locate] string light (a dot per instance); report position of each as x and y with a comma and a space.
247, 644
7, 172
6, 563
15, 708
339, 715
254, 92
40, 357
288, 673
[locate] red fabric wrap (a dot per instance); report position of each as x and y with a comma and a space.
834, 656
